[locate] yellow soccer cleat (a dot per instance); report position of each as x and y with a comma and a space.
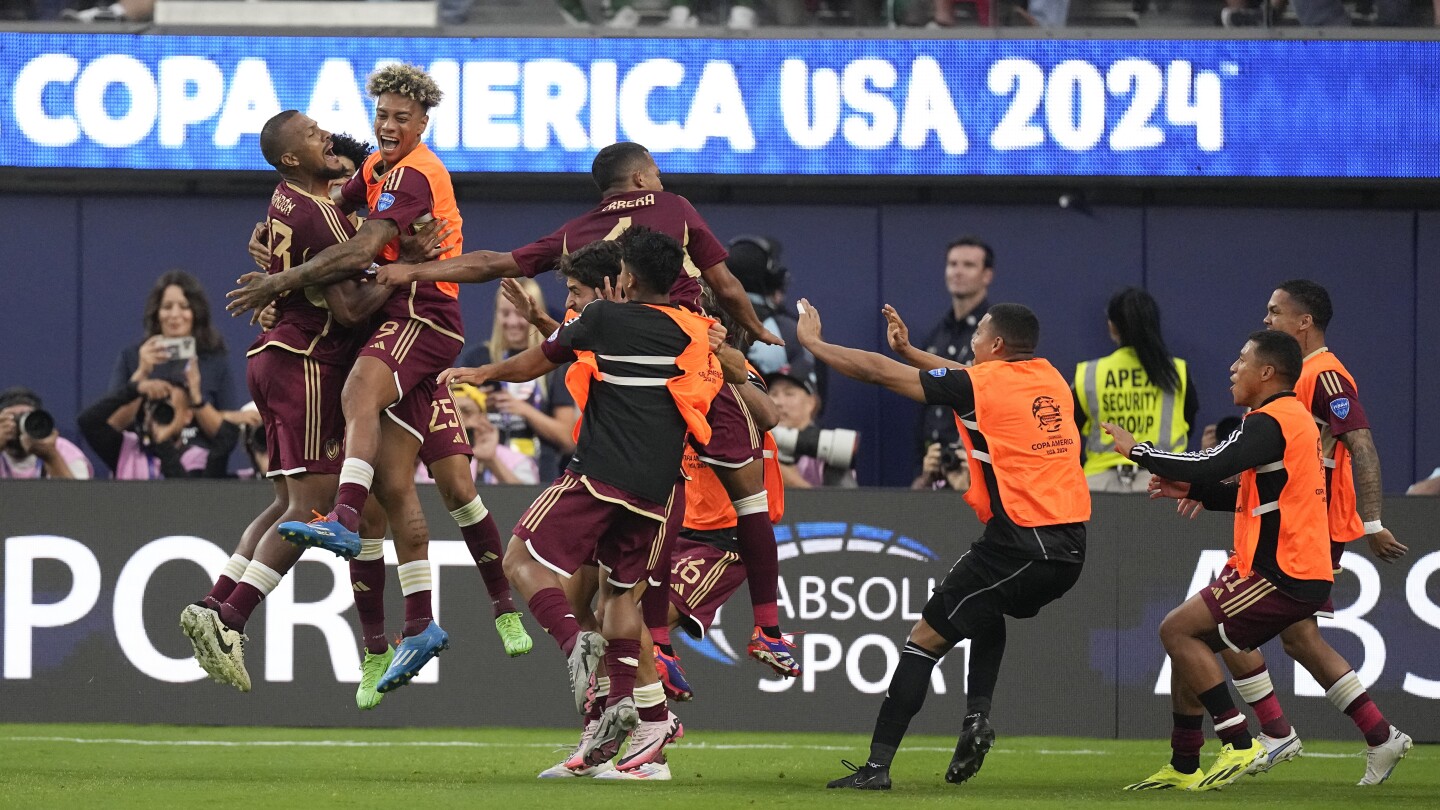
1230, 764
1167, 778
371, 670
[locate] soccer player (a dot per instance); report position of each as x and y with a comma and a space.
1016, 417
645, 375
1280, 572
405, 188
632, 193
296, 371
1302, 309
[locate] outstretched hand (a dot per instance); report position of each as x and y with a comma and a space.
473, 376
515, 293
395, 275
897, 334
1124, 441
427, 244
808, 332
254, 293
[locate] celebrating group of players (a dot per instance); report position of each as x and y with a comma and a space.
674, 471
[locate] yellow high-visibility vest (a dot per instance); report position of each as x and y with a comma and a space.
1116, 389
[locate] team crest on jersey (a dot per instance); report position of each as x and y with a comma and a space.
386, 200
1340, 406
332, 449
938, 372
1047, 414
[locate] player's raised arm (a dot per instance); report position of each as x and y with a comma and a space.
730, 293
869, 367
468, 268
332, 264
897, 334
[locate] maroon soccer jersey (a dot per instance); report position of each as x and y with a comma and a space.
660, 211
1336, 404
301, 225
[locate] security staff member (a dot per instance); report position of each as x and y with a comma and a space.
1139, 387
1015, 414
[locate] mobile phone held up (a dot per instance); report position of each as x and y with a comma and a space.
178, 348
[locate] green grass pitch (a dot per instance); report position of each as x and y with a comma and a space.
113, 766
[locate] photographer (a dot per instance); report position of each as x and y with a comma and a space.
177, 328
151, 429
30, 447
809, 456
945, 467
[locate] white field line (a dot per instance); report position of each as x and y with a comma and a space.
1077, 752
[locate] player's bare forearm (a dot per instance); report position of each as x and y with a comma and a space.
869, 367
544, 323
339, 261
731, 295
761, 406
1365, 461
352, 302
523, 367
469, 268
925, 361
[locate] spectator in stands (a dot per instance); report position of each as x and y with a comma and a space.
1140, 387
969, 271
536, 418
153, 429
809, 455
177, 308
682, 14
944, 467
120, 11
30, 446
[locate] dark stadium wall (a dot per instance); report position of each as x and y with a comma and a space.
77, 292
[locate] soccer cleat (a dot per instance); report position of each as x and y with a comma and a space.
1230, 764
326, 532
672, 676
774, 653
648, 741
512, 634
1381, 759
221, 651
1167, 778
615, 725
371, 670
658, 771
585, 658
413, 653
574, 765
1277, 750
192, 623
865, 777
976, 740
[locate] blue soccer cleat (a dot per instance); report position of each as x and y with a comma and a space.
323, 532
672, 676
411, 655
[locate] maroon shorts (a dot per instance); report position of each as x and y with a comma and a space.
1251, 610
413, 351
427, 413
658, 572
299, 401
702, 578
734, 440
578, 519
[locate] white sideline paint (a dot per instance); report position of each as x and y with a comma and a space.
1083, 752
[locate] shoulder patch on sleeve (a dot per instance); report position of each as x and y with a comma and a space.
938, 372
1340, 406
386, 200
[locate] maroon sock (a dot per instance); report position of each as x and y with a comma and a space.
762, 565
219, 592
367, 579
483, 540
417, 613
654, 714
349, 503
1186, 740
1367, 717
236, 610
550, 607
622, 656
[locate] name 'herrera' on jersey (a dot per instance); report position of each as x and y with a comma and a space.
622, 205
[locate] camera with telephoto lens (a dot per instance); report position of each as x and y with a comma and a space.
36, 424
160, 411
835, 448
952, 457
